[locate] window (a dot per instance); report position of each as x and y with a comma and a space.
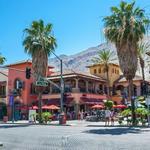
3, 90
112, 70
32, 89
99, 70
95, 71
104, 70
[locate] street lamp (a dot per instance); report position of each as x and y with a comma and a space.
62, 82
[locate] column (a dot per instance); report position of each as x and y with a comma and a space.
87, 86
76, 89
138, 90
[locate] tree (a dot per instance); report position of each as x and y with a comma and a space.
39, 42
108, 104
2, 59
142, 49
125, 27
105, 56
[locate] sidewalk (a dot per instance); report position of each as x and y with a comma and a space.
78, 123
74, 123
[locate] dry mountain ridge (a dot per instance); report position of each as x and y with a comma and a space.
79, 61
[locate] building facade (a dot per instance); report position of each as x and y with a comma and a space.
25, 94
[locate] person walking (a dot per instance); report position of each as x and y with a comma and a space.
81, 115
112, 115
107, 116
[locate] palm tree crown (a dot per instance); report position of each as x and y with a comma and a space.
105, 57
39, 42
2, 59
125, 27
142, 49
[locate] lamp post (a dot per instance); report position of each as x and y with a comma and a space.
62, 83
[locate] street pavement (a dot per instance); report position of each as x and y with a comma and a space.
80, 135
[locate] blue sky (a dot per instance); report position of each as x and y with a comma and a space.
77, 24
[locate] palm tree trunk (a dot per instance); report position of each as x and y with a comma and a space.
132, 102
143, 75
40, 106
108, 86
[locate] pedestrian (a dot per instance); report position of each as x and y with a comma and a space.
112, 115
81, 115
107, 116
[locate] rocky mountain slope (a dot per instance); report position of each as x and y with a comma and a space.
79, 61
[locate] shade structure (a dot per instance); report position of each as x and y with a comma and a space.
119, 106
34, 107
97, 107
45, 107
53, 107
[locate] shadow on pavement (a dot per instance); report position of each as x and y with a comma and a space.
14, 125
116, 131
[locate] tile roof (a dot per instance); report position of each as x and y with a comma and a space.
136, 78
72, 73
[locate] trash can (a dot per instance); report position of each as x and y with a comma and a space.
62, 118
5, 119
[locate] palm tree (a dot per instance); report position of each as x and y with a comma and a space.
2, 59
142, 49
105, 56
39, 42
125, 27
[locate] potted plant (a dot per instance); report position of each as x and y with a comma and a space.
46, 117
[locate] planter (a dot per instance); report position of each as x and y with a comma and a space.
5, 119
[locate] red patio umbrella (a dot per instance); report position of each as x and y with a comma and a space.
97, 107
120, 106
53, 107
35, 107
45, 107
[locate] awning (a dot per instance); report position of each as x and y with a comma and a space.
91, 101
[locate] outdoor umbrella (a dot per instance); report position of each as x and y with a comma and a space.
45, 107
53, 107
119, 106
97, 107
34, 107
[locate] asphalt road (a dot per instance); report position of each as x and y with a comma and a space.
36, 137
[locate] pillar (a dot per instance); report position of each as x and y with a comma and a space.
76, 108
87, 86
138, 90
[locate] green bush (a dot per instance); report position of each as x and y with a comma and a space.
126, 113
108, 104
46, 116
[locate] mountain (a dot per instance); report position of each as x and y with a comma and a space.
79, 61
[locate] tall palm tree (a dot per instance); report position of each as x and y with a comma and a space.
39, 42
105, 56
125, 27
142, 49
2, 59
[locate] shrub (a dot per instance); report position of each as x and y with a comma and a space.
46, 116
108, 104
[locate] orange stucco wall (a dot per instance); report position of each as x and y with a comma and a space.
26, 98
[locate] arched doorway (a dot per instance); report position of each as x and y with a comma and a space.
120, 90
134, 90
17, 110
82, 85
69, 84
3, 110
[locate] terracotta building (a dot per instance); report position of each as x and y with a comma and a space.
81, 91
3, 92
118, 84
24, 88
